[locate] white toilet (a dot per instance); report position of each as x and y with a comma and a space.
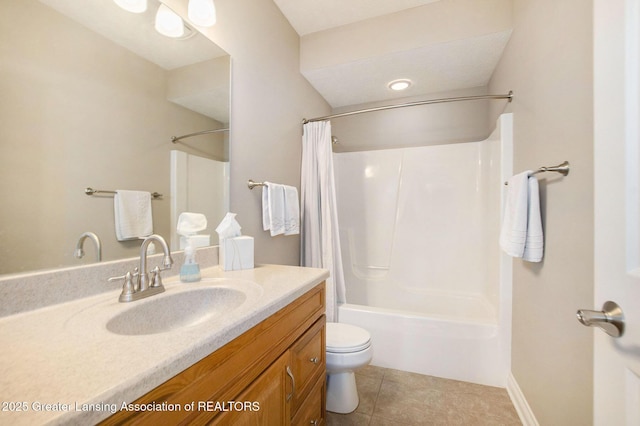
348, 348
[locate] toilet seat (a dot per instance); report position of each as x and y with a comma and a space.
346, 338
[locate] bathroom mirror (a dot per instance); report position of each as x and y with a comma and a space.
91, 97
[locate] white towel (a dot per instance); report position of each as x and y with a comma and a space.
133, 214
534, 245
291, 211
521, 233
280, 209
273, 208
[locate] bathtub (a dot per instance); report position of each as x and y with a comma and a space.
424, 274
435, 345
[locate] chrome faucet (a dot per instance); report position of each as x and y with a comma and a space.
79, 253
138, 285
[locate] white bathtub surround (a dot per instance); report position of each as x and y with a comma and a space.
424, 271
320, 239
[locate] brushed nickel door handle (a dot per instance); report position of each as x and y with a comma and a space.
610, 319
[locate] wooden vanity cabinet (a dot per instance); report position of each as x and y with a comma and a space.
273, 374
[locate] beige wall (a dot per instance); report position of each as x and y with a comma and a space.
269, 99
77, 111
416, 126
548, 65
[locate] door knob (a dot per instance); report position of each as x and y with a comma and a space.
610, 319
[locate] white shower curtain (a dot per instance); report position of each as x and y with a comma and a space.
320, 241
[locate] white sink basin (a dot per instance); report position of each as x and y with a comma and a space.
160, 314
180, 307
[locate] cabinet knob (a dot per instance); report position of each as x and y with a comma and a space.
314, 422
314, 359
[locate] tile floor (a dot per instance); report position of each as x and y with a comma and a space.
392, 397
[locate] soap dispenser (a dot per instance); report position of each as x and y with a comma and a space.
190, 270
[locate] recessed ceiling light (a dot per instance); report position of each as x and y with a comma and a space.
399, 85
135, 6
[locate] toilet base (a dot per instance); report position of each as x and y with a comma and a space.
342, 394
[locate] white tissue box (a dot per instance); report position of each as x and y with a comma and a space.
236, 253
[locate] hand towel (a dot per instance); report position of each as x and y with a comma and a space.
273, 208
291, 211
521, 234
133, 214
534, 244
280, 209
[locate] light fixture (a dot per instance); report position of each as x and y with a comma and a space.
399, 85
135, 6
168, 23
202, 12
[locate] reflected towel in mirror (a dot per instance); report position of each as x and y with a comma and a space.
133, 214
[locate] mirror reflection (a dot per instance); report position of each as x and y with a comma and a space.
92, 96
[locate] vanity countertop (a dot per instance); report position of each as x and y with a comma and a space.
60, 365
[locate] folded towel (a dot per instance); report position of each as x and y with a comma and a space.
534, 244
133, 214
273, 208
291, 211
280, 209
521, 234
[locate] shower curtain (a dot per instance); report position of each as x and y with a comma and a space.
320, 241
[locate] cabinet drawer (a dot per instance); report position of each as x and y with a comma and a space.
312, 411
308, 361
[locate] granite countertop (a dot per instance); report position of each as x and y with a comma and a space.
60, 365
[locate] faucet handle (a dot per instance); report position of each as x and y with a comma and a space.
128, 289
156, 279
122, 277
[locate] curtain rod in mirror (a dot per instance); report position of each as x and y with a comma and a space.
175, 139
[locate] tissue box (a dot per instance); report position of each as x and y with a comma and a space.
236, 253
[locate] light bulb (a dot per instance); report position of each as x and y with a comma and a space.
168, 23
202, 12
398, 85
135, 6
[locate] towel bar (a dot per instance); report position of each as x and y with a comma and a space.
562, 168
91, 191
251, 184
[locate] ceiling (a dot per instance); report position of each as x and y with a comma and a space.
351, 49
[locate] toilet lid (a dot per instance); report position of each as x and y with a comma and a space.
343, 338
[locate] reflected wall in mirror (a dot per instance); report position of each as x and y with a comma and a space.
91, 96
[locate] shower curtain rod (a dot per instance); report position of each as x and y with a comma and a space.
175, 139
509, 96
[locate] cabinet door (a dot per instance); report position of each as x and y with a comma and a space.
308, 362
264, 402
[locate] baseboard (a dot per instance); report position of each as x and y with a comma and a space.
520, 403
